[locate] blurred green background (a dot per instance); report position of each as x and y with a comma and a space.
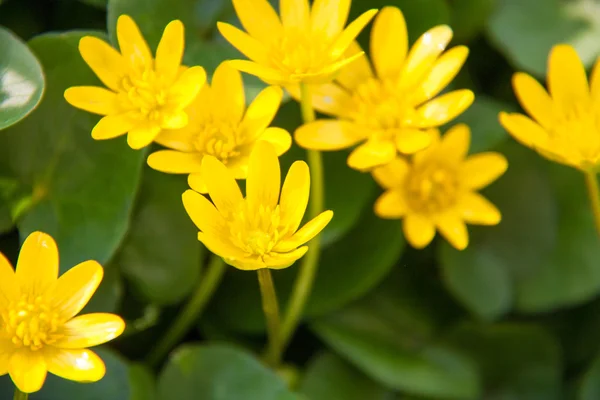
515, 316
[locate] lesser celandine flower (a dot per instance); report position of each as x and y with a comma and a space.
303, 44
144, 95
260, 230
564, 125
437, 189
220, 126
388, 108
39, 332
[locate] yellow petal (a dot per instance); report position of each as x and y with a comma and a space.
295, 14
92, 99
170, 52
392, 174
228, 91
204, 214
175, 162
430, 151
178, 139
372, 154
444, 108
186, 87
222, 247
133, 46
389, 42
454, 145
311, 229
409, 141
27, 370
328, 98
423, 54
112, 126
476, 209
262, 110
279, 138
72, 291
453, 229
264, 177
418, 230
142, 135
328, 134
267, 74
524, 129
80, 365
239, 165
284, 260
246, 44
327, 73
595, 80
105, 61
9, 286
222, 187
196, 181
328, 17
444, 70
534, 99
391, 205
567, 81
89, 330
259, 19
173, 119
343, 41
294, 196
356, 72
482, 169
7, 348
37, 266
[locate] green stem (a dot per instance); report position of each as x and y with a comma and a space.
271, 309
192, 310
308, 268
20, 395
591, 181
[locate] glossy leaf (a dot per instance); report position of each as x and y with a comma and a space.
468, 17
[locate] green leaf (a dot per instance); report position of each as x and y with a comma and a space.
518, 362
109, 294
101, 4
143, 386
526, 41
328, 377
80, 190
390, 336
468, 17
21, 80
347, 270
218, 372
161, 252
589, 386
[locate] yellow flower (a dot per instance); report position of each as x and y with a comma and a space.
437, 189
144, 95
305, 45
220, 126
39, 332
261, 230
565, 124
390, 108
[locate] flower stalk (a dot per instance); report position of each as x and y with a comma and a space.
591, 182
271, 310
20, 395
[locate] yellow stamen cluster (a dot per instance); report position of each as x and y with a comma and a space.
219, 138
378, 104
432, 188
30, 322
145, 94
257, 233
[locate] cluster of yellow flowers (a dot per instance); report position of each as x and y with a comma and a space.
388, 109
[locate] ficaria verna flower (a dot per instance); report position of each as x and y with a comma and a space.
220, 126
261, 230
304, 45
437, 189
144, 95
39, 332
390, 108
565, 124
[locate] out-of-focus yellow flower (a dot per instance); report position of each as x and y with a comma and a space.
144, 95
389, 109
304, 45
261, 230
39, 332
220, 126
437, 189
565, 124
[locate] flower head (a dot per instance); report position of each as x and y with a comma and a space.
220, 126
437, 189
565, 123
144, 95
39, 332
304, 44
390, 109
261, 230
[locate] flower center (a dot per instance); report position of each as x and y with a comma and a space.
581, 119
379, 105
143, 93
256, 233
300, 52
432, 189
30, 322
221, 139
